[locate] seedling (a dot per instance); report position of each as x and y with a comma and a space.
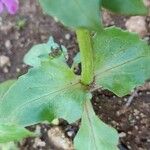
110, 58
21, 23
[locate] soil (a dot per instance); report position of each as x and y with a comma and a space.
15, 40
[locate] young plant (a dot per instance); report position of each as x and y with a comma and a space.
110, 58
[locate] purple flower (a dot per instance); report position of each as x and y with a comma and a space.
11, 5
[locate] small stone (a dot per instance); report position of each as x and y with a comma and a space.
4, 61
5, 70
24, 65
70, 133
8, 44
107, 19
122, 134
39, 143
118, 113
61, 40
148, 140
136, 127
18, 70
136, 112
57, 137
137, 117
142, 115
114, 96
67, 36
17, 35
125, 99
129, 132
148, 93
129, 147
137, 24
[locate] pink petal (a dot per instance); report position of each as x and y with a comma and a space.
1, 7
11, 5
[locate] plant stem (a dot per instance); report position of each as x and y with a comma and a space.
85, 45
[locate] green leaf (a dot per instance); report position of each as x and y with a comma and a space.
44, 93
126, 7
45, 52
97, 134
4, 87
74, 13
37, 52
13, 133
121, 60
10, 132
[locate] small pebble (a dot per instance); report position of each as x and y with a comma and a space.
67, 36
137, 24
107, 19
39, 143
18, 70
129, 132
125, 99
142, 115
4, 61
136, 127
5, 70
148, 93
137, 117
57, 137
136, 112
8, 44
122, 134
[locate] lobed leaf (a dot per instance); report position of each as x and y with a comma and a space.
97, 134
74, 13
121, 60
35, 55
126, 7
44, 93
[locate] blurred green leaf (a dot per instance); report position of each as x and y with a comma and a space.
126, 7
12, 133
97, 134
4, 87
121, 60
74, 13
9, 146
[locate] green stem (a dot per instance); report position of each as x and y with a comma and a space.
85, 45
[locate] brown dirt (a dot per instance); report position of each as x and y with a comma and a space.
134, 124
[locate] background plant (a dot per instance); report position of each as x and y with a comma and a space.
111, 70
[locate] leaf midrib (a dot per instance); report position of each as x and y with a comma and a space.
39, 98
99, 73
91, 125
